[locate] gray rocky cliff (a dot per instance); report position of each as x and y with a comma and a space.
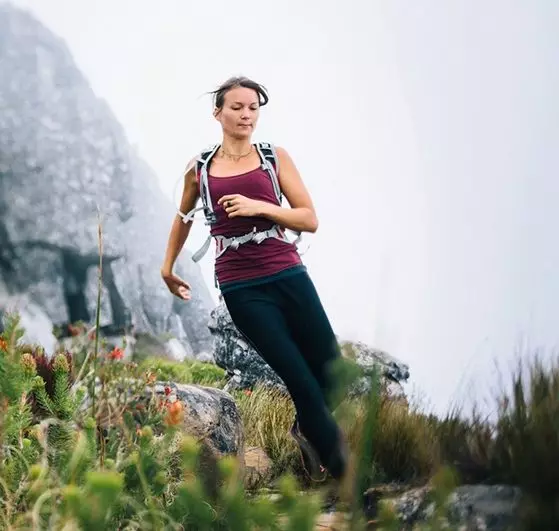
63, 156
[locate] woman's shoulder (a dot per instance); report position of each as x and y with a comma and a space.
285, 160
283, 153
190, 174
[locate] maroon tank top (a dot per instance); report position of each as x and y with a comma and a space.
250, 260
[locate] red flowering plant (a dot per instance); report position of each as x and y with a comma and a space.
116, 354
153, 409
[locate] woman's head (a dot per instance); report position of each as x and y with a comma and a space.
237, 105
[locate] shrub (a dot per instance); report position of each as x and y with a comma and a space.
527, 442
466, 444
406, 448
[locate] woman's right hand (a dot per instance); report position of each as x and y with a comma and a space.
177, 286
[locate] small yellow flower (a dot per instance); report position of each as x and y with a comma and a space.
61, 363
29, 364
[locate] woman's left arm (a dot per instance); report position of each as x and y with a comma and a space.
300, 217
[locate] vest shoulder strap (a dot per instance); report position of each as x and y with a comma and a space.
270, 162
202, 175
204, 157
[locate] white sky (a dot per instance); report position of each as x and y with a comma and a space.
427, 133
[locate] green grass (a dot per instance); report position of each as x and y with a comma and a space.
467, 444
187, 372
405, 445
267, 416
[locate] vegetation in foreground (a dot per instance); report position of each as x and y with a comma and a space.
74, 456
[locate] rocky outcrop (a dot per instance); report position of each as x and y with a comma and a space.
233, 354
64, 159
247, 368
394, 372
472, 507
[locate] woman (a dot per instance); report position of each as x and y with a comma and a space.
265, 286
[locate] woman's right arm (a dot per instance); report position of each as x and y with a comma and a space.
179, 232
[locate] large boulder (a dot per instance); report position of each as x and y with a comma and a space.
212, 418
64, 159
247, 368
210, 414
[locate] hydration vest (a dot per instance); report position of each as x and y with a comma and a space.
270, 163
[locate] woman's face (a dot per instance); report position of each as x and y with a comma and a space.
239, 113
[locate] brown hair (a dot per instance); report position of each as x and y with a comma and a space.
234, 82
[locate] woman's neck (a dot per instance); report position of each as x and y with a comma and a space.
236, 147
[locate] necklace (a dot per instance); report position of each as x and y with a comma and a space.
235, 157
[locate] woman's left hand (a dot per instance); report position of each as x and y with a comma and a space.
238, 205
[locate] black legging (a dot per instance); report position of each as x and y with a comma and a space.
285, 322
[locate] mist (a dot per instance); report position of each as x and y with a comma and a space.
427, 134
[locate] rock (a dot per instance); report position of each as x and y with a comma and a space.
412, 505
33, 319
258, 467
332, 522
172, 349
491, 507
247, 368
473, 507
176, 351
149, 346
367, 357
210, 414
393, 371
233, 354
212, 418
64, 159
205, 357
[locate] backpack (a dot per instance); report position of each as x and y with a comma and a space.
270, 163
